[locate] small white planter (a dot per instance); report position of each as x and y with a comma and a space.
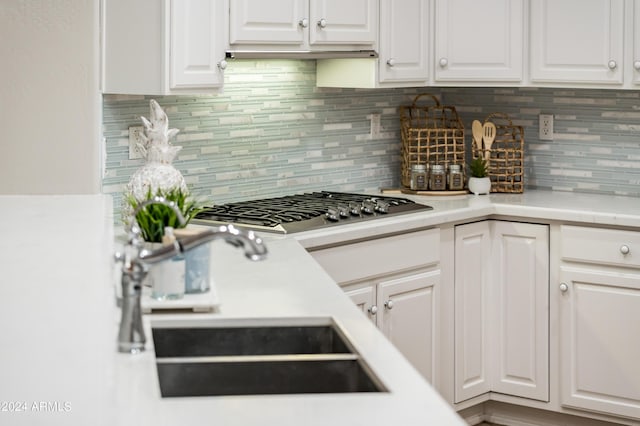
480, 185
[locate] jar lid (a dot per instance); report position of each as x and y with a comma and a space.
438, 168
454, 167
419, 167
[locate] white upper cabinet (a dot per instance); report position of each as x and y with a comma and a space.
153, 47
404, 41
196, 45
337, 22
276, 22
635, 59
303, 24
403, 51
577, 41
479, 41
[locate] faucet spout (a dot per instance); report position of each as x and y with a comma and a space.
254, 247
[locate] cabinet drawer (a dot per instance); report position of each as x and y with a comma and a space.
602, 246
382, 256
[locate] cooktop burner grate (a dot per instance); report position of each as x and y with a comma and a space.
301, 212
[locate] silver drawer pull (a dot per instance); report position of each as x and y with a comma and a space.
563, 287
624, 249
373, 310
388, 304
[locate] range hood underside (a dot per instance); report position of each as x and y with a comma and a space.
298, 54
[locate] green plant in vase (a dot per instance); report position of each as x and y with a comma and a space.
154, 218
478, 168
479, 182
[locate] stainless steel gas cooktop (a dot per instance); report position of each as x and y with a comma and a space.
304, 212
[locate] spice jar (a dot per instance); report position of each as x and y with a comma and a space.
456, 178
437, 179
418, 177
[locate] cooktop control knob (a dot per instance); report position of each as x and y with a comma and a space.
343, 209
368, 206
355, 208
382, 206
332, 214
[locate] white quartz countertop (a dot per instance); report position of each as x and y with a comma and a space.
59, 363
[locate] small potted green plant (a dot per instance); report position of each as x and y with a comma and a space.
154, 218
479, 182
167, 279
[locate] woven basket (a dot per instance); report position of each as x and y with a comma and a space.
505, 159
430, 135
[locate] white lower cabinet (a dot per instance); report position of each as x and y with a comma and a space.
501, 310
405, 308
599, 310
396, 282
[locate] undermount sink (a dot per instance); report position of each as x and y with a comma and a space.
247, 340
259, 359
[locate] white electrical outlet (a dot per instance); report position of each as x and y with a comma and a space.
134, 139
375, 125
545, 132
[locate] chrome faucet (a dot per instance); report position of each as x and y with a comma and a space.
136, 261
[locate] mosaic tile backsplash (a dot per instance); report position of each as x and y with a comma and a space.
272, 132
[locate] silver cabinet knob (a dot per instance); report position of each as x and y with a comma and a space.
612, 65
563, 287
222, 64
443, 62
391, 62
636, 65
624, 249
388, 304
373, 310
304, 23
322, 23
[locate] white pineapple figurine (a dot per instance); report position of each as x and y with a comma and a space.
157, 173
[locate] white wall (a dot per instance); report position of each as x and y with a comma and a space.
50, 103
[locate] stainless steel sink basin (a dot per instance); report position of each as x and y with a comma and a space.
257, 360
248, 340
279, 375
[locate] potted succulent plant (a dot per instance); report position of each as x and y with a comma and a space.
479, 182
154, 218
155, 221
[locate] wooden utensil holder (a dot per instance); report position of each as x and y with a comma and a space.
505, 159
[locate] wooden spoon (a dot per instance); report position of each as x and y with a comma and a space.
489, 135
477, 131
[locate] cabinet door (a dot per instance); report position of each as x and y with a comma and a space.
636, 42
404, 41
409, 317
520, 313
577, 41
339, 22
273, 22
197, 43
599, 341
472, 298
363, 296
479, 40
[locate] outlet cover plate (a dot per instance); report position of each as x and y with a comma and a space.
134, 139
545, 132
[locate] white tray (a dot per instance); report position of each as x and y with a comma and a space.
200, 302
